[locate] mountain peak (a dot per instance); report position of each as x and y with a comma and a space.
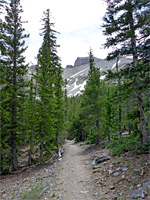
81, 61
77, 75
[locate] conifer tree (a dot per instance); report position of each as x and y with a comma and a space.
14, 70
59, 110
30, 118
122, 21
90, 100
48, 87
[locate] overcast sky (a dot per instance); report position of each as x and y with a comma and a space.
78, 22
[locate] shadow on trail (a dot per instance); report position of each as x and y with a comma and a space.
90, 148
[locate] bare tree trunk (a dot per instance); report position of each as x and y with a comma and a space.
142, 120
30, 160
97, 132
1, 165
108, 134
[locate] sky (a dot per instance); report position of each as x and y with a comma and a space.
77, 21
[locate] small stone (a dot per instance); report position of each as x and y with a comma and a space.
124, 169
84, 191
139, 185
115, 197
118, 168
130, 158
143, 195
100, 160
59, 198
132, 187
133, 177
137, 171
112, 187
86, 163
116, 174
110, 171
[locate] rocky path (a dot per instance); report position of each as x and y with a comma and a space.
68, 179
124, 177
74, 178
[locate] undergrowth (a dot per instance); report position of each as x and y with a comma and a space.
124, 144
32, 194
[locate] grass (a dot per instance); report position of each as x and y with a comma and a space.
32, 194
118, 159
53, 195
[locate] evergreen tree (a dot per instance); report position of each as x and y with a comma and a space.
48, 87
122, 21
90, 102
14, 70
30, 118
59, 110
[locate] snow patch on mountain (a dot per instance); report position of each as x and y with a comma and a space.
77, 76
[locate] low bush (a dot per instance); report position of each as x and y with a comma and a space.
34, 193
123, 144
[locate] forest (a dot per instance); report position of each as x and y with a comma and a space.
35, 111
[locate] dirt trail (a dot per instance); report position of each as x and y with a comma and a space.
74, 178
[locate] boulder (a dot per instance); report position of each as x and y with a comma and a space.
100, 160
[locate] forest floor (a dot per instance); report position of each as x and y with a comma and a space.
76, 178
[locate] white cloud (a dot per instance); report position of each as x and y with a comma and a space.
77, 21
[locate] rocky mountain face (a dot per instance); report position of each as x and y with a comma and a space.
77, 75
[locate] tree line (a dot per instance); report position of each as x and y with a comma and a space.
120, 103
31, 107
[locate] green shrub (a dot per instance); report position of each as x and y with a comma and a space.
91, 137
145, 148
33, 194
123, 144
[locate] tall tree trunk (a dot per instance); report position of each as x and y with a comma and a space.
143, 129
108, 133
142, 120
41, 153
1, 160
97, 131
14, 156
119, 99
30, 160
57, 137
13, 135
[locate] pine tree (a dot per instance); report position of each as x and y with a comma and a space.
90, 100
122, 21
30, 118
14, 70
48, 87
59, 110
